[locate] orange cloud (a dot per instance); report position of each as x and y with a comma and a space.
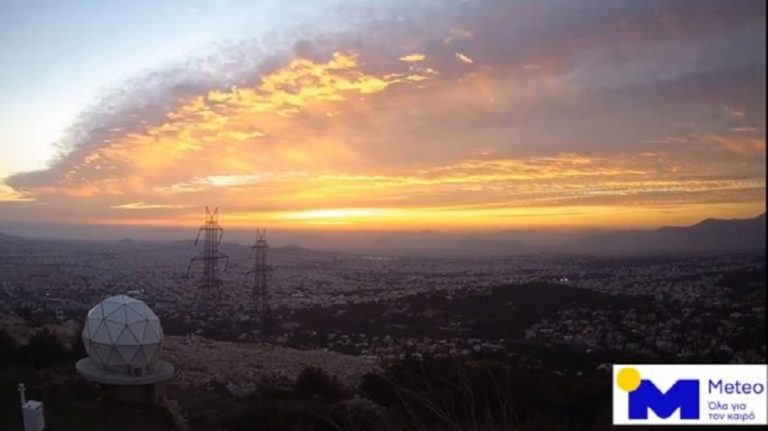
238, 130
746, 146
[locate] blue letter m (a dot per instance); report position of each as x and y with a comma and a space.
684, 394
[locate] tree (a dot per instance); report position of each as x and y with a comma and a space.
44, 349
7, 349
77, 348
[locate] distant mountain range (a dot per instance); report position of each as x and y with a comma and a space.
710, 235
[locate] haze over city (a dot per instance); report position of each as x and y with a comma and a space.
381, 116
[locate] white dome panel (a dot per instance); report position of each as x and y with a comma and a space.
102, 335
114, 358
117, 315
101, 351
115, 329
126, 338
139, 356
110, 307
137, 328
92, 325
128, 352
132, 315
151, 333
96, 312
138, 307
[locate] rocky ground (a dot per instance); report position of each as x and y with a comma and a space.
242, 366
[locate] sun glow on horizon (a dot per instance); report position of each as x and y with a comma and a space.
466, 219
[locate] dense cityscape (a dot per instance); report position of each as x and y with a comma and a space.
238, 323
353, 315
684, 306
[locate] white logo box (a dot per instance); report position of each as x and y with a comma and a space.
724, 399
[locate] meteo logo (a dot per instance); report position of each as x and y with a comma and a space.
733, 394
683, 395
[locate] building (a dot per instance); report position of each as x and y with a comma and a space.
123, 338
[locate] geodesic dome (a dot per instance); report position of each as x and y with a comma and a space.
122, 333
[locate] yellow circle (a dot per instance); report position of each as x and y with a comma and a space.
628, 379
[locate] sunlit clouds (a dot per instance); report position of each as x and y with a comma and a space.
146, 206
492, 116
413, 58
464, 58
7, 194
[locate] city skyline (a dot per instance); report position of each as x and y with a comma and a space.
410, 115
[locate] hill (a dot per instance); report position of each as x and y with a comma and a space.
708, 235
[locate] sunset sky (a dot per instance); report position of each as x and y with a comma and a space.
419, 114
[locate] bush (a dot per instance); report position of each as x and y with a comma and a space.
314, 382
446, 394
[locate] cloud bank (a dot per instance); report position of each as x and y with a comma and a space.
457, 114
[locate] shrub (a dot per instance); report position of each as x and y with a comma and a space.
7, 349
314, 382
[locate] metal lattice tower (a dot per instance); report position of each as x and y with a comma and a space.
209, 291
260, 294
